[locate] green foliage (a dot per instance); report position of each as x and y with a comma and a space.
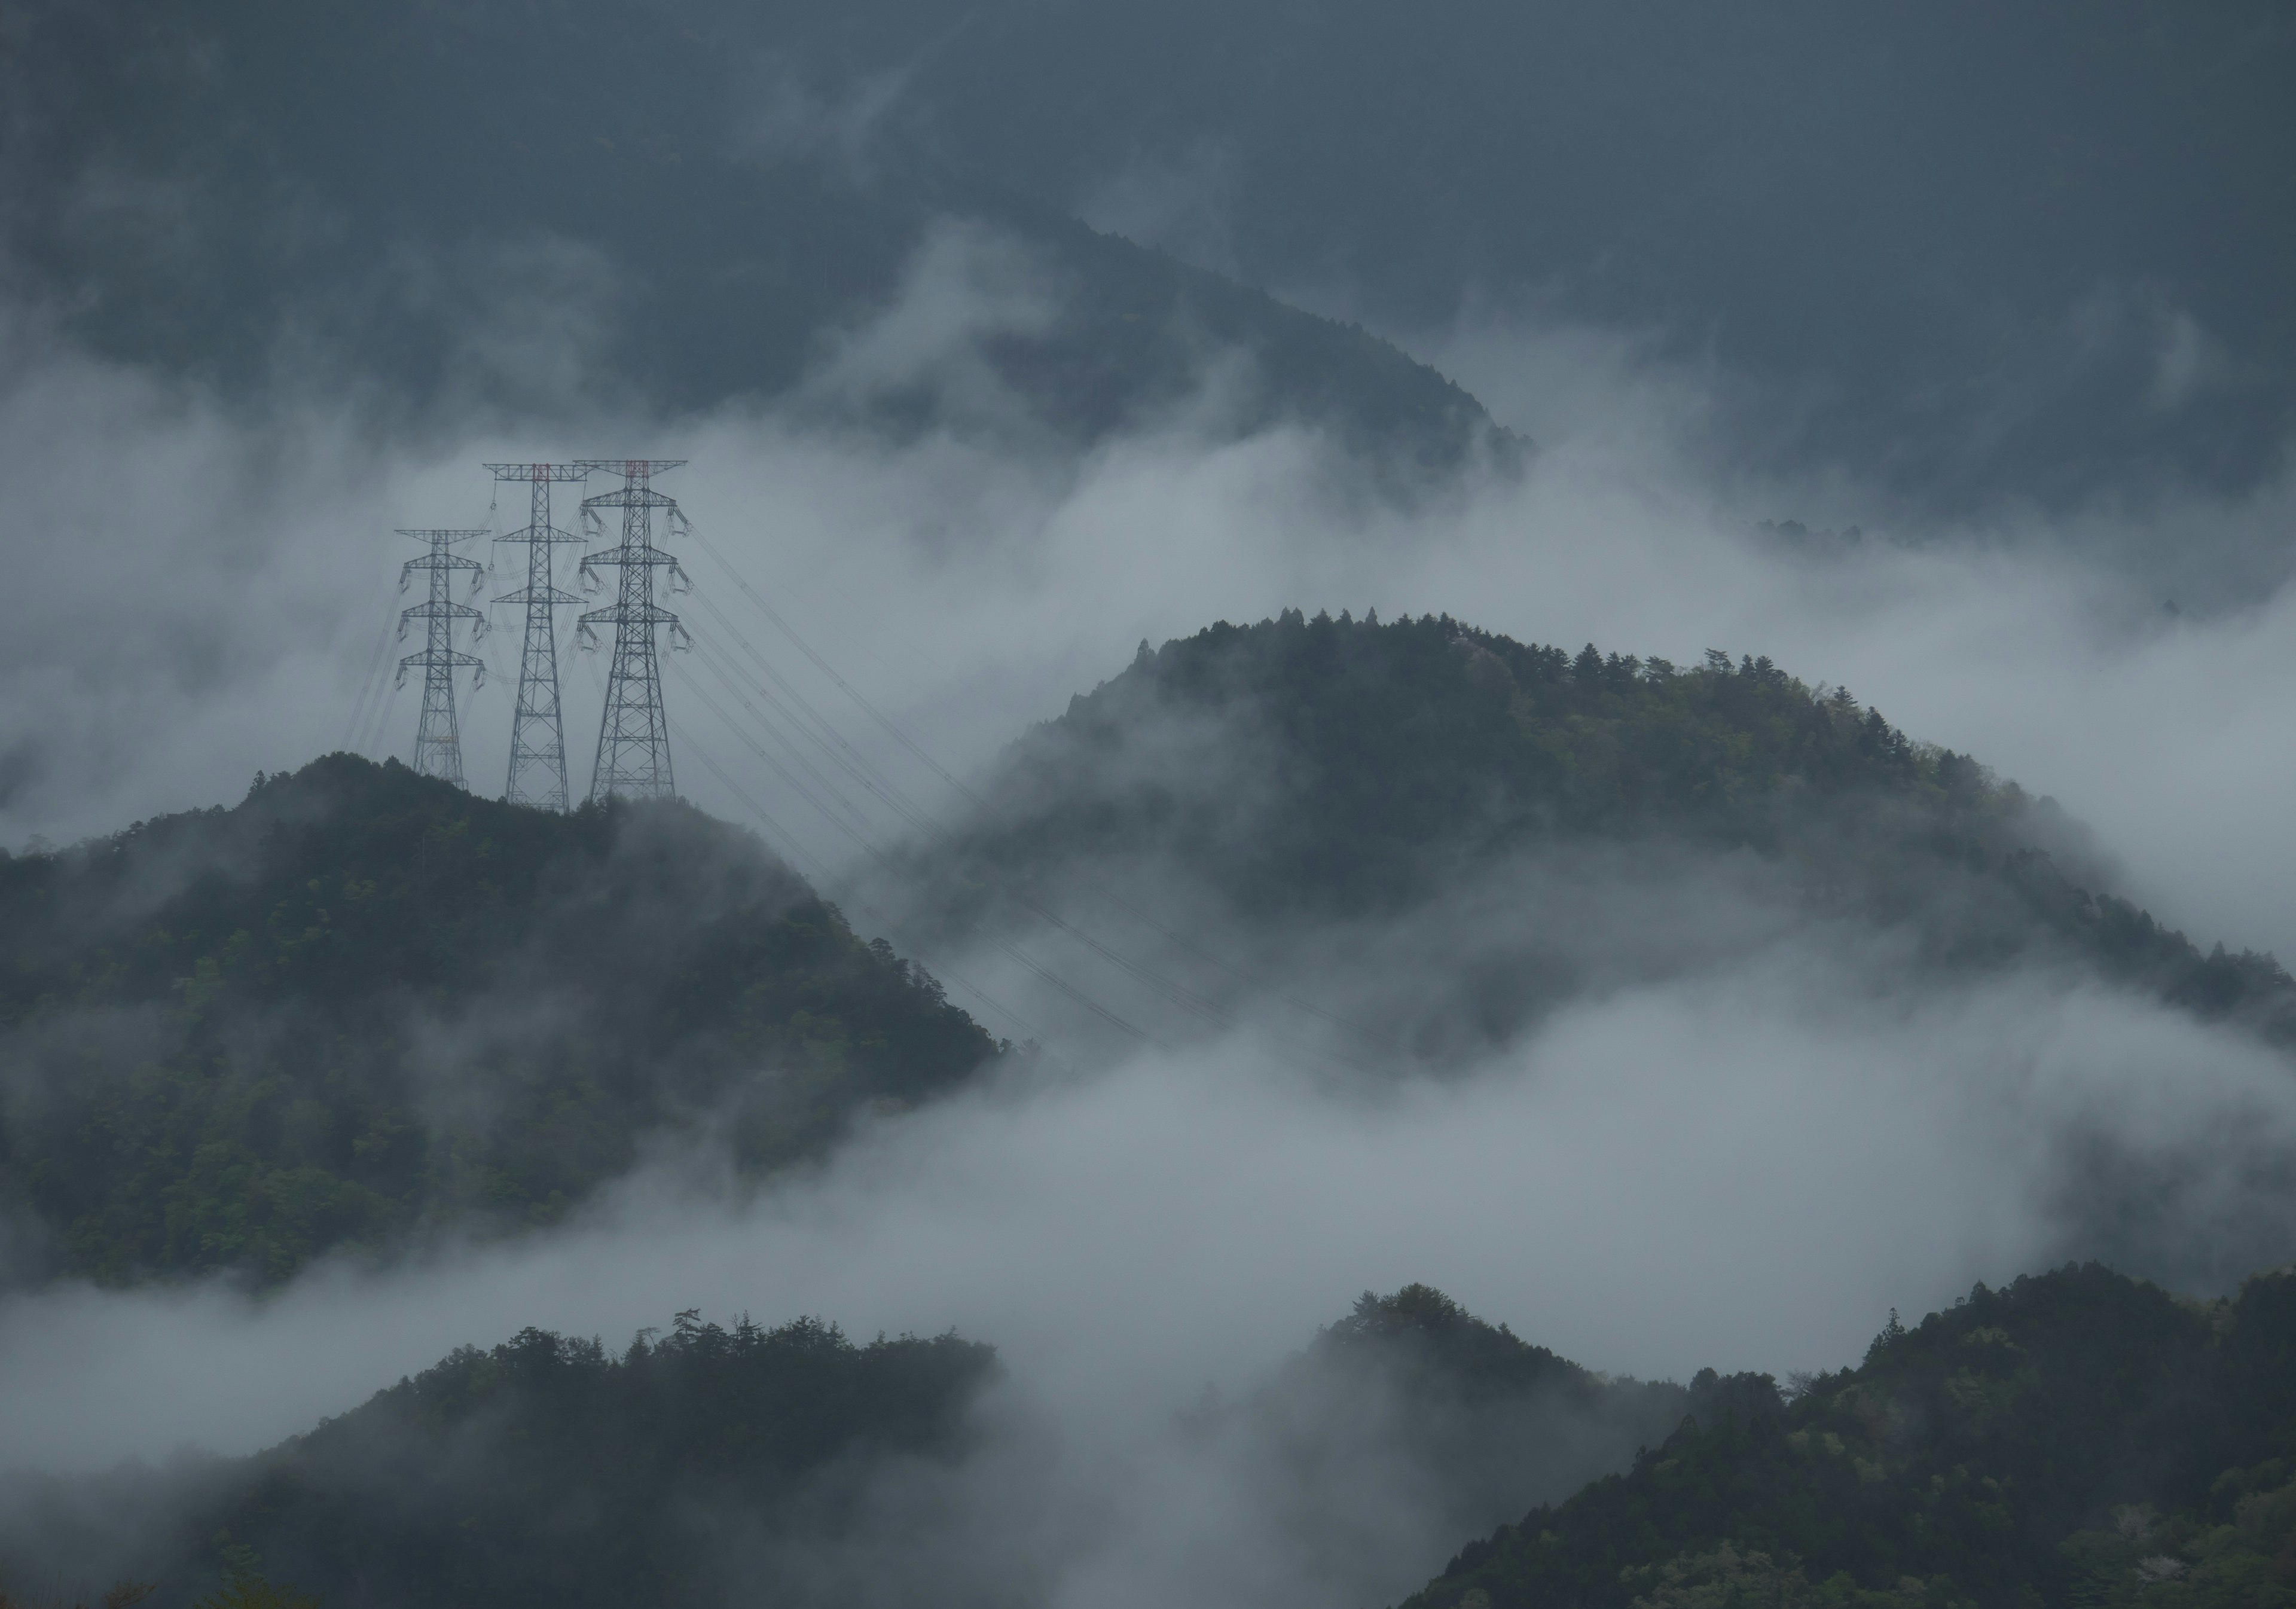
2076, 1438
1343, 768
365, 1006
548, 1470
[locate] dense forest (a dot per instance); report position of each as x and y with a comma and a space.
1354, 771
2078, 1438
547, 1469
792, 1463
362, 1008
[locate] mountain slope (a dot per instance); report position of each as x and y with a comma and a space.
599, 204
363, 1007
1411, 1423
2076, 1438
1967, 251
1299, 773
548, 1470
792, 1466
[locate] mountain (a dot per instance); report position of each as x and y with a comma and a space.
1501, 826
1969, 252
362, 1008
2075, 1438
793, 1464
596, 206
2078, 1438
1411, 1423
549, 1470
1973, 255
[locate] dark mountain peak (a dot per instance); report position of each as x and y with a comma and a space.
1419, 1328
362, 1008
2034, 1443
1338, 768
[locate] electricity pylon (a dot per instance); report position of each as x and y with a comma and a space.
439, 737
633, 758
537, 734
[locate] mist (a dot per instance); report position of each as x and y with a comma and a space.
1744, 1171
1744, 1158
968, 588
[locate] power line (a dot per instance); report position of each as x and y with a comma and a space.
878, 854
797, 852
370, 685
894, 797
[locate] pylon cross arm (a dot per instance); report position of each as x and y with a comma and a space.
631, 496
618, 614
538, 472
550, 533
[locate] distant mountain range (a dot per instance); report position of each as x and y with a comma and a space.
2076, 1438
597, 206
1968, 254
362, 1010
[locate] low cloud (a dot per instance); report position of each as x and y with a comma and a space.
1745, 1162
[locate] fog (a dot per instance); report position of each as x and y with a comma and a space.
1744, 1165
1749, 1170
200, 591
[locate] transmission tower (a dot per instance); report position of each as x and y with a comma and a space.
439, 738
634, 738
537, 735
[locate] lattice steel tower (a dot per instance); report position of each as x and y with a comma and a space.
439, 737
537, 734
634, 737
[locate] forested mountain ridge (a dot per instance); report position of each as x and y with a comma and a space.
546, 1470
1411, 1423
713, 1459
2076, 1438
363, 1007
1343, 769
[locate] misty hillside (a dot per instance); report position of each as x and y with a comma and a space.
362, 1008
1972, 253
791, 1464
549, 208
549, 1470
2078, 1438
1300, 773
1463, 1422
1968, 251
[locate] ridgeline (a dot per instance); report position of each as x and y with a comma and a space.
362, 1008
1338, 770
2075, 1438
